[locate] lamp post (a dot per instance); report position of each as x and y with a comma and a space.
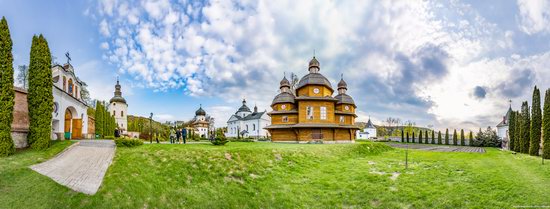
151, 128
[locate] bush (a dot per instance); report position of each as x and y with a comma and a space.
109, 137
219, 139
122, 142
487, 138
249, 139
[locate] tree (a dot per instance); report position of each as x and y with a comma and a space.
546, 126
455, 138
517, 132
402, 136
420, 137
426, 137
413, 139
433, 136
407, 137
99, 119
525, 128
40, 96
488, 138
536, 124
512, 130
439, 137
462, 141
447, 136
7, 94
23, 76
470, 138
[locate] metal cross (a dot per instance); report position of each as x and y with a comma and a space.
68, 57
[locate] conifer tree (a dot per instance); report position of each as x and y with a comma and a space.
426, 137
407, 137
413, 139
447, 136
471, 139
536, 123
462, 141
546, 126
7, 94
517, 141
40, 96
433, 136
455, 138
439, 137
99, 119
525, 128
420, 137
512, 130
402, 136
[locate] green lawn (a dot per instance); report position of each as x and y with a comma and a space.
268, 175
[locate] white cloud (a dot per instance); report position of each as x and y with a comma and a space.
534, 16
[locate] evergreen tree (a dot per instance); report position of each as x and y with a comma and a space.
433, 136
517, 142
439, 137
462, 141
7, 94
40, 96
99, 119
402, 136
512, 130
546, 126
536, 124
447, 136
420, 137
471, 139
525, 128
407, 137
413, 140
455, 138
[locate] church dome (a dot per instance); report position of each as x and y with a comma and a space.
118, 99
314, 79
285, 82
283, 97
344, 99
342, 84
244, 108
200, 111
314, 63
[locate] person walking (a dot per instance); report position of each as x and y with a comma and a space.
184, 135
172, 135
178, 135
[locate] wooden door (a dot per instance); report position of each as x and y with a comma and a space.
77, 129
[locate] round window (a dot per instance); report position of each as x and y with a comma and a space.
283, 107
346, 107
316, 90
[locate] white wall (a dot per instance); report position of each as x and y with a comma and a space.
117, 107
78, 110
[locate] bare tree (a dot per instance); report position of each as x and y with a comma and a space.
23, 76
293, 83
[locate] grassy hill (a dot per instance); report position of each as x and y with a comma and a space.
269, 175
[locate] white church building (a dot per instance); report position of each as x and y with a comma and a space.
248, 123
119, 109
368, 132
502, 129
69, 117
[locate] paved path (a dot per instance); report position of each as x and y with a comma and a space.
80, 167
439, 148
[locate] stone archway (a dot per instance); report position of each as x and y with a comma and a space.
73, 124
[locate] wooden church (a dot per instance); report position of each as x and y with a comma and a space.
310, 113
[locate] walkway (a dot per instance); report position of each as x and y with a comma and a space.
438, 148
80, 167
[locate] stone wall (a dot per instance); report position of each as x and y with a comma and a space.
91, 127
20, 124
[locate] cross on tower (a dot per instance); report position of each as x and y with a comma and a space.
68, 57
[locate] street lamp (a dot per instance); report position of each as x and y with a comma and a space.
151, 128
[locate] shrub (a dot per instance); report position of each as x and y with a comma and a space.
122, 142
249, 139
487, 138
109, 137
219, 139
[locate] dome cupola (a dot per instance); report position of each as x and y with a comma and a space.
314, 65
342, 85
285, 85
200, 111
118, 94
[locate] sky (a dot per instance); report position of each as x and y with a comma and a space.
441, 64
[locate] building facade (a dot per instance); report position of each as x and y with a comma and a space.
247, 123
502, 129
119, 109
70, 114
310, 113
202, 124
368, 132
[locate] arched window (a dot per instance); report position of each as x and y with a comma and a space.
246, 127
121, 113
64, 83
253, 127
114, 113
70, 86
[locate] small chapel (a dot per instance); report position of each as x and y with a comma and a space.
310, 113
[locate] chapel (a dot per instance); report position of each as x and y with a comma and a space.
309, 112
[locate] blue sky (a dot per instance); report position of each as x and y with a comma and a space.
443, 63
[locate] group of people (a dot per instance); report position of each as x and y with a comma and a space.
177, 134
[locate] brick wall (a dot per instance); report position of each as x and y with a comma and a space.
20, 124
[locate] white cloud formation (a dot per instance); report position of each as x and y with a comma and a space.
534, 16
400, 58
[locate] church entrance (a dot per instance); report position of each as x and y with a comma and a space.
316, 134
73, 126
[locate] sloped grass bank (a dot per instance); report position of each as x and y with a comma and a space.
269, 175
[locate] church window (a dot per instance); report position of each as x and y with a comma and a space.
121, 113
114, 113
323, 113
253, 127
64, 83
285, 119
246, 127
70, 86
342, 119
309, 112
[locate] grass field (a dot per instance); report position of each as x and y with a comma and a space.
268, 175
